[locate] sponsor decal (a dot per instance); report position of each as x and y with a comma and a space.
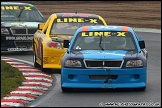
21, 24
15, 8
80, 20
103, 33
64, 37
39, 46
18, 38
18, 49
25, 24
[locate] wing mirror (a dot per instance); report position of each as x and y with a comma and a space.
141, 44
66, 43
40, 26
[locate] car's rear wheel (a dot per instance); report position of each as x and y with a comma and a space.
42, 69
36, 65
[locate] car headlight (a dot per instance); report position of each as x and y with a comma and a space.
52, 44
134, 63
4, 31
73, 63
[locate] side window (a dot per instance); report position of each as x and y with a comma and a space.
32, 16
129, 44
46, 26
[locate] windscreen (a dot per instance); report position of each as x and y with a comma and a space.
70, 25
20, 13
104, 40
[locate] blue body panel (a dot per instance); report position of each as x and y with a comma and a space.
101, 77
126, 78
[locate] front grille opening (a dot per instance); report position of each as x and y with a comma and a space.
94, 63
102, 77
112, 63
25, 31
31, 31
20, 31
24, 44
103, 64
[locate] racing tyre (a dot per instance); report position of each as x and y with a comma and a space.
42, 69
36, 65
66, 89
76, 90
141, 89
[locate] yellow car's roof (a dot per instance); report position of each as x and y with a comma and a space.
76, 15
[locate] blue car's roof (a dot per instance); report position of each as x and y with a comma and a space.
105, 28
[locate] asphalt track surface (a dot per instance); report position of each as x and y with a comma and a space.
54, 97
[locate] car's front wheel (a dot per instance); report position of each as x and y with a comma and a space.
66, 89
141, 89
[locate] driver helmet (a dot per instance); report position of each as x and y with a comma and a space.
120, 42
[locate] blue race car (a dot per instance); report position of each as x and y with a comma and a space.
104, 57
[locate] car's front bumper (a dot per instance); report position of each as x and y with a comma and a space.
13, 49
52, 58
16, 43
118, 78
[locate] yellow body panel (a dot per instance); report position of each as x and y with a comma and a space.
52, 56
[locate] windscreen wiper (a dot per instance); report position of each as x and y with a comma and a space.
21, 9
100, 43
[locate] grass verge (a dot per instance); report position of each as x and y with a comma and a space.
11, 78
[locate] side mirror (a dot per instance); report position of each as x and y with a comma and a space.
141, 44
66, 43
40, 26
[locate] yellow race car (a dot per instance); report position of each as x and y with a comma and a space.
48, 40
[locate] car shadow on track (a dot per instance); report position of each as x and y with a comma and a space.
17, 53
103, 90
51, 71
